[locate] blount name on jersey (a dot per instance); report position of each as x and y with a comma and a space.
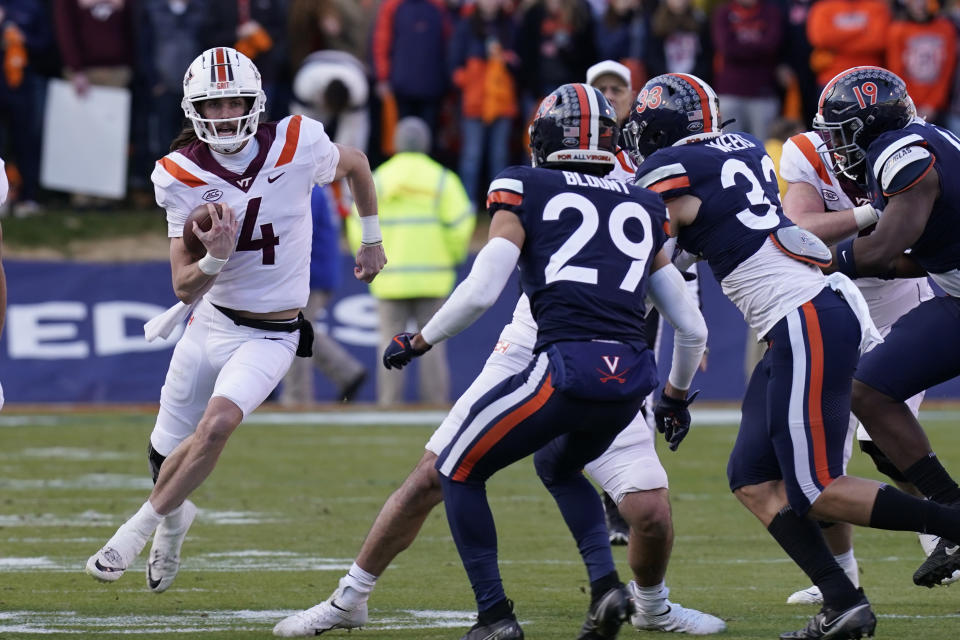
586, 180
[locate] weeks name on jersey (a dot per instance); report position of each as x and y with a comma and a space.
585, 180
730, 142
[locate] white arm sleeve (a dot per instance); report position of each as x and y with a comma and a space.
670, 296
477, 293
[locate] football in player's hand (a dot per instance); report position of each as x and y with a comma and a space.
200, 215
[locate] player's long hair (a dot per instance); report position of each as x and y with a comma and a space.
185, 137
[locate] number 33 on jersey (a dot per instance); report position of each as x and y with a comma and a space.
589, 243
271, 199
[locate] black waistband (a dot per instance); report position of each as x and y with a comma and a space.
287, 326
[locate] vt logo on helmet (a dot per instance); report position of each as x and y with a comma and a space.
575, 128
223, 72
856, 107
669, 108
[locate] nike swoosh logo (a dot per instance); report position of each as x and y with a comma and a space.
153, 583
826, 626
843, 254
951, 550
273, 179
100, 567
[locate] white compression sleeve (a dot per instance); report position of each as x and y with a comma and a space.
669, 294
477, 293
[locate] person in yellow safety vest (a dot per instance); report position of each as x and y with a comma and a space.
426, 216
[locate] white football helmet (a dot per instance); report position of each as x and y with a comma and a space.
223, 72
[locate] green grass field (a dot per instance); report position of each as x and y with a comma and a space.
284, 513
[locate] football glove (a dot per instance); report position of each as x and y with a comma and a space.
673, 418
400, 352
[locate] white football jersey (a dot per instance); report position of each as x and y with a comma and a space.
801, 162
270, 267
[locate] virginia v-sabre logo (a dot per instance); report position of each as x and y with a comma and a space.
613, 363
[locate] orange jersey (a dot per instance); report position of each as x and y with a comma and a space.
924, 55
846, 33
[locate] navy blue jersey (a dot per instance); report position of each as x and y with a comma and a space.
736, 181
899, 159
586, 256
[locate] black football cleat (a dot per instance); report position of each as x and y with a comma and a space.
854, 622
503, 629
617, 527
941, 564
606, 615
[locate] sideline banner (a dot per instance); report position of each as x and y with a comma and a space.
74, 333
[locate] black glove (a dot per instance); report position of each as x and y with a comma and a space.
673, 418
400, 352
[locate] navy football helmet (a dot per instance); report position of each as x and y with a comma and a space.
575, 128
668, 108
856, 107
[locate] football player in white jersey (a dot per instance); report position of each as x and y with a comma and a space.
835, 208
245, 293
629, 471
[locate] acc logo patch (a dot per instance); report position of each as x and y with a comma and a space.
212, 195
829, 196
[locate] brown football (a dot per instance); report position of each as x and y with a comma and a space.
200, 215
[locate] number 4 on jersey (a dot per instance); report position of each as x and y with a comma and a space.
267, 240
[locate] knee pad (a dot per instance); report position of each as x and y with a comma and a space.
155, 460
881, 461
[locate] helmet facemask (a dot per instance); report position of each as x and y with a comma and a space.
840, 147
229, 140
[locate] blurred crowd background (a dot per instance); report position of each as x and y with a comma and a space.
473, 70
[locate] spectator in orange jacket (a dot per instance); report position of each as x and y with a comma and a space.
922, 49
483, 64
847, 33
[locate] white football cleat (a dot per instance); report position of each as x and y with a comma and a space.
163, 563
810, 595
322, 618
107, 565
676, 618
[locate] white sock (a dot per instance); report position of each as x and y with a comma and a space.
172, 523
355, 587
652, 600
133, 534
849, 565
